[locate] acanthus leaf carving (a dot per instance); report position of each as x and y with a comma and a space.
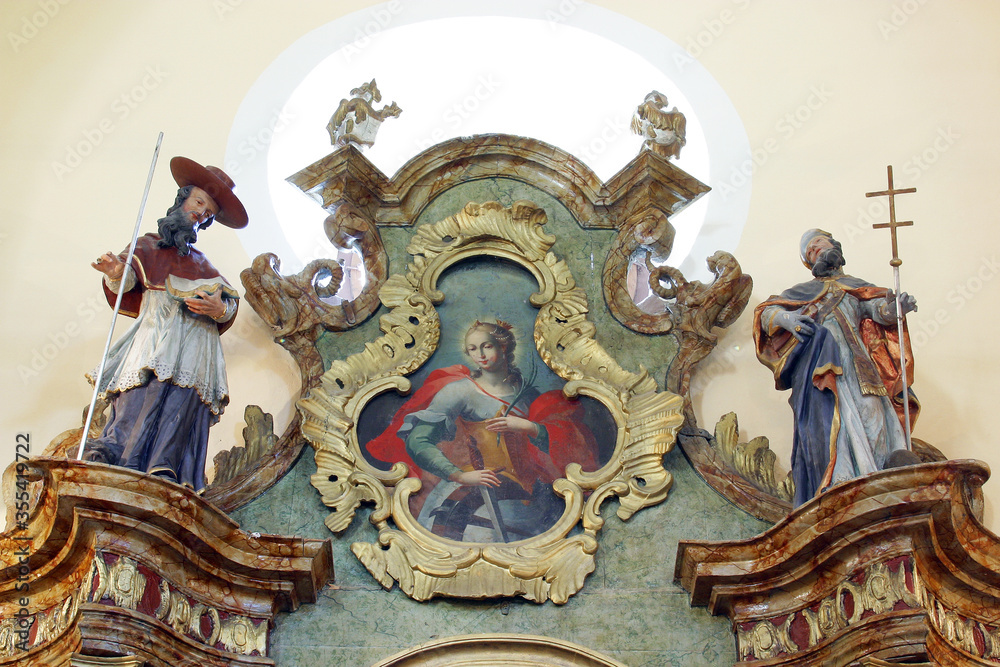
753, 460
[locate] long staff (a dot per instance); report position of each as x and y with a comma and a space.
118, 301
902, 358
895, 263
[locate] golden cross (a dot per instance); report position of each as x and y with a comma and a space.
892, 224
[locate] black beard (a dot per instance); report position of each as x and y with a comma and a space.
830, 262
177, 231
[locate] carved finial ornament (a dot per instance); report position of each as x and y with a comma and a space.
356, 121
664, 131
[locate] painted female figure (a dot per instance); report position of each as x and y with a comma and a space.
486, 444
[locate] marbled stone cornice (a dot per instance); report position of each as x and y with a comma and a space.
653, 180
904, 546
130, 564
646, 181
346, 174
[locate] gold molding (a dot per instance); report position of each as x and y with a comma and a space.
879, 591
47, 625
552, 565
498, 650
959, 631
125, 585
80, 660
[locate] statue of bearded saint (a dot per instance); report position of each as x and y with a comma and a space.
165, 377
833, 342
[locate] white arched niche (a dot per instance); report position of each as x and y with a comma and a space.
570, 75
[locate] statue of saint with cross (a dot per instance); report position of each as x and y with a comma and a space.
834, 341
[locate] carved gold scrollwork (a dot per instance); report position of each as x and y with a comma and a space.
125, 583
960, 631
766, 640
98, 572
164, 607
552, 565
50, 624
45, 629
991, 641
826, 621
957, 631
8, 637
241, 635
216, 622
909, 598
879, 592
45, 626
176, 611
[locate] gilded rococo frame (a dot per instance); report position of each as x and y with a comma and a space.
553, 564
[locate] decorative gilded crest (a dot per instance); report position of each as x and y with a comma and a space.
481, 493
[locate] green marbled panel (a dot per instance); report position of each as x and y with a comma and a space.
629, 608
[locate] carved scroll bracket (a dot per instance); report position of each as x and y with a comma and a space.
299, 308
697, 310
650, 232
642, 197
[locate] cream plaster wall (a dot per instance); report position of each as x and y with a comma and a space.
830, 93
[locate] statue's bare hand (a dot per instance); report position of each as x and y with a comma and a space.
110, 265
907, 302
476, 478
207, 304
797, 324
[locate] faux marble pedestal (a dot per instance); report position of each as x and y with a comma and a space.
888, 567
106, 562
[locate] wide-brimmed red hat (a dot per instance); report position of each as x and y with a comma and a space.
217, 184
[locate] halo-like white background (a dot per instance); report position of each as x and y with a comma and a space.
572, 80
